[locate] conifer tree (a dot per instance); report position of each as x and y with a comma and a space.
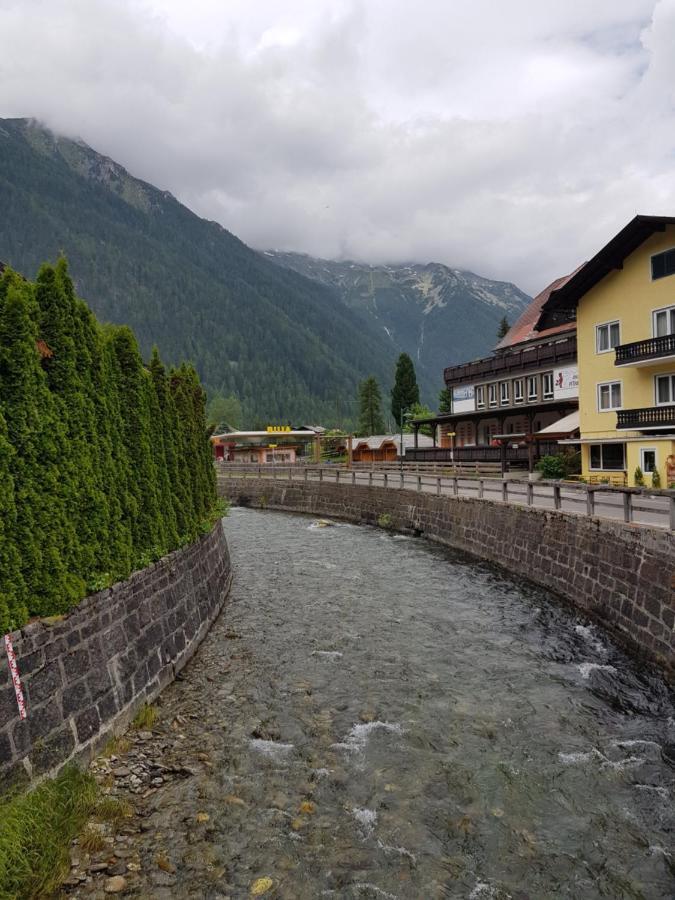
137, 433
503, 328
370, 408
44, 534
405, 392
13, 610
165, 449
445, 400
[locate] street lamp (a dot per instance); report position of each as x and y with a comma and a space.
405, 414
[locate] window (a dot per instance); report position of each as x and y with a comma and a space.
518, 395
480, 397
547, 386
504, 393
664, 321
608, 456
532, 387
665, 389
647, 459
607, 337
609, 396
492, 394
663, 264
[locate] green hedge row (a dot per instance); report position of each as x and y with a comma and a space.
105, 463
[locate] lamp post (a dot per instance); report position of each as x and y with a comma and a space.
405, 414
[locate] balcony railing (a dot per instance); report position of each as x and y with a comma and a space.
648, 417
553, 353
643, 351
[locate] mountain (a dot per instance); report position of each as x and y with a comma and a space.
438, 315
284, 344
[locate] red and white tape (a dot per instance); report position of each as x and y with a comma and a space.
14, 670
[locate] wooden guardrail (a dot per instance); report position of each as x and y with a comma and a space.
636, 506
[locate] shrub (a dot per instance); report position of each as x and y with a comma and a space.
551, 466
639, 477
384, 520
656, 479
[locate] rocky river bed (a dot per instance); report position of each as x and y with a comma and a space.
376, 717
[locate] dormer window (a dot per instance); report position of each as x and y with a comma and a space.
663, 264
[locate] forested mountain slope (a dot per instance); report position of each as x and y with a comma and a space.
283, 343
438, 315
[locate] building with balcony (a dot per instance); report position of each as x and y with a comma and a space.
506, 407
624, 301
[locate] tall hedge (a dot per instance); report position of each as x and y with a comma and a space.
104, 462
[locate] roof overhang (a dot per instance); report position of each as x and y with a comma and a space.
566, 298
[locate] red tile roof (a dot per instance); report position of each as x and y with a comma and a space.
524, 329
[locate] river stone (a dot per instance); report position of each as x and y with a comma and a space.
115, 885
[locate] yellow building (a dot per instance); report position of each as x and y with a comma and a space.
625, 306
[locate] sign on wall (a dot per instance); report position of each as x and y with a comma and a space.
463, 398
566, 383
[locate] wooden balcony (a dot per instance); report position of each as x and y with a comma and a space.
650, 418
500, 365
647, 352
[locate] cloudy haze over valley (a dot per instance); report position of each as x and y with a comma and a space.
512, 139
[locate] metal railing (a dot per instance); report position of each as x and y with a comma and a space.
641, 351
635, 506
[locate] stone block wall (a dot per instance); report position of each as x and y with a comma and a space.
92, 670
622, 576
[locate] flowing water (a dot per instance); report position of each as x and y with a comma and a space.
397, 720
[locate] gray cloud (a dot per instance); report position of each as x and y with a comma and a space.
512, 139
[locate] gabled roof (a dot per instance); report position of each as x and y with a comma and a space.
565, 298
377, 441
525, 328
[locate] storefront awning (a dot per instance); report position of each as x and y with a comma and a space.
566, 425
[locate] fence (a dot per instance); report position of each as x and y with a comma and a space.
637, 506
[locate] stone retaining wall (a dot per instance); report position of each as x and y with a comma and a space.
119, 648
622, 576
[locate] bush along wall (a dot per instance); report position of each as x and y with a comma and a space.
105, 464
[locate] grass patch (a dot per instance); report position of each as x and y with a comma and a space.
36, 831
92, 840
145, 718
113, 811
116, 746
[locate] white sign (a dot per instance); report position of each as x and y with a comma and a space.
566, 383
463, 398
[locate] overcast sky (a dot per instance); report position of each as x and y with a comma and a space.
513, 138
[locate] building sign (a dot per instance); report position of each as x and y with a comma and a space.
275, 429
463, 399
566, 383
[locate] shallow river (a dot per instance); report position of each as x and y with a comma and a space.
386, 718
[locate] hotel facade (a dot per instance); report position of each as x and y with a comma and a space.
624, 303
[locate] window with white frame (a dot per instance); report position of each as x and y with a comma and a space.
547, 386
518, 395
480, 397
607, 337
664, 390
609, 396
532, 388
648, 459
608, 457
664, 321
504, 393
492, 394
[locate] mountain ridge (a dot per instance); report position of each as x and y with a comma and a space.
438, 314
